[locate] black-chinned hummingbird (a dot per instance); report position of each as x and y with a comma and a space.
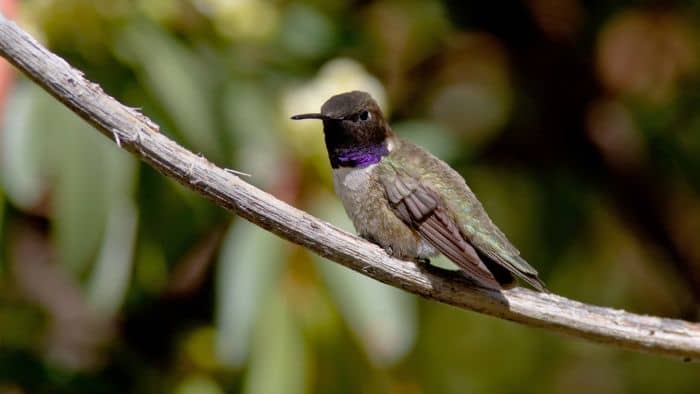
408, 201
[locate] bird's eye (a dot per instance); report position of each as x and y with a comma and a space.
364, 115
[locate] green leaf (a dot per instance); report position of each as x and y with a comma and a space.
109, 280
198, 384
279, 361
382, 317
248, 268
47, 147
431, 136
176, 78
307, 32
91, 176
21, 148
250, 116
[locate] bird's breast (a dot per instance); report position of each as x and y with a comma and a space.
365, 202
352, 185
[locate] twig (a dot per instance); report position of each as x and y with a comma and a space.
140, 136
236, 172
116, 138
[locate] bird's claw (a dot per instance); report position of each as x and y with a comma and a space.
389, 250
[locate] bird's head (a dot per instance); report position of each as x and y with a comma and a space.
353, 124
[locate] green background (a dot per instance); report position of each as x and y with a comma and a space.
576, 123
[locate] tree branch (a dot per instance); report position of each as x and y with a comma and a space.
137, 134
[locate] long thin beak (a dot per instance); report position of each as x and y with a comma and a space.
310, 116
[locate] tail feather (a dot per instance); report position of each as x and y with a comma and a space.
504, 277
530, 275
505, 273
535, 282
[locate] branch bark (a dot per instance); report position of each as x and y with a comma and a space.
137, 134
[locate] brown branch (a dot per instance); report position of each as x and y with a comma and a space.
137, 134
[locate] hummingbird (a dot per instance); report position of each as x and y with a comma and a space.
408, 201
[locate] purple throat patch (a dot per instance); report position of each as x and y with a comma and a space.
361, 156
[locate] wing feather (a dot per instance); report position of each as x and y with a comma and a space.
438, 233
420, 208
473, 243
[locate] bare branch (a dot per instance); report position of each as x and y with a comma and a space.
136, 133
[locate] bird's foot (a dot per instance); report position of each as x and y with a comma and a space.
422, 260
389, 250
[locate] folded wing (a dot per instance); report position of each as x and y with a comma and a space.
421, 208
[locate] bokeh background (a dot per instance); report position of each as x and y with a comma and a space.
577, 123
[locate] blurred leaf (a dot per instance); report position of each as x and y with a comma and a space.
47, 147
431, 136
74, 336
306, 32
249, 265
111, 275
199, 348
178, 80
94, 176
611, 127
475, 110
279, 361
198, 384
58, 19
87, 173
21, 148
647, 54
404, 32
474, 93
249, 20
192, 268
250, 115
79, 215
21, 322
560, 20
382, 317
151, 268
162, 11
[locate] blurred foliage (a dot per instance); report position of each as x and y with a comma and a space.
576, 123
